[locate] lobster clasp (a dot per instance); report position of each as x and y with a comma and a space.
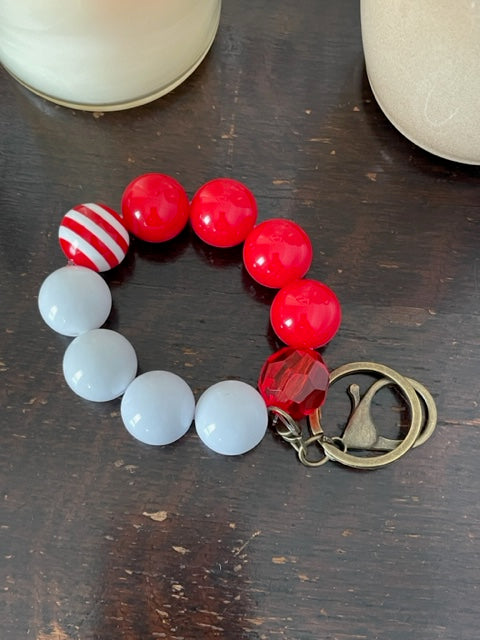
360, 432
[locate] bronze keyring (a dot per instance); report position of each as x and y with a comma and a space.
431, 414
416, 418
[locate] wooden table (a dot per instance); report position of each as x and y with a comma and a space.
102, 537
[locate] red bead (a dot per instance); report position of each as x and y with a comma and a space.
305, 313
155, 207
223, 212
295, 380
276, 252
93, 236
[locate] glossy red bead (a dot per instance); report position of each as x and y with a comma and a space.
155, 207
276, 252
295, 380
223, 212
305, 313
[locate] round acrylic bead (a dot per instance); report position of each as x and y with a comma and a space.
294, 380
231, 417
99, 365
94, 236
157, 408
155, 207
73, 300
305, 313
276, 252
223, 212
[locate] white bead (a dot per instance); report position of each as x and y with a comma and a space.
231, 417
73, 300
158, 407
99, 365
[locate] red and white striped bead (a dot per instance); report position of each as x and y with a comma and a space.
94, 236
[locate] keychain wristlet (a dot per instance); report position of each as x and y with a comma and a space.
231, 417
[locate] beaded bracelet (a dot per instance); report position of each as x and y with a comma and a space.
231, 417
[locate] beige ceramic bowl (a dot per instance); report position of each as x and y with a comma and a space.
423, 63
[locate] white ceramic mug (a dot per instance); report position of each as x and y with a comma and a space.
105, 54
423, 62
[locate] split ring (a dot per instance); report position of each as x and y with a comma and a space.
410, 390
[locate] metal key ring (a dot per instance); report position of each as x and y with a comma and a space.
431, 413
409, 393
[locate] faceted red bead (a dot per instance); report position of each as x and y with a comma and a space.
223, 212
295, 380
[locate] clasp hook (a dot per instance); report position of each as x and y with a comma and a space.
360, 432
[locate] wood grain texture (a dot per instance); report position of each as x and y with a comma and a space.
102, 538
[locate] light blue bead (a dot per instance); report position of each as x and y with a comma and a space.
158, 407
231, 417
73, 300
99, 365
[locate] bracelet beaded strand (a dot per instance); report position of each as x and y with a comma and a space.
231, 417
158, 407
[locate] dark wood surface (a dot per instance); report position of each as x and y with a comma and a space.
104, 538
